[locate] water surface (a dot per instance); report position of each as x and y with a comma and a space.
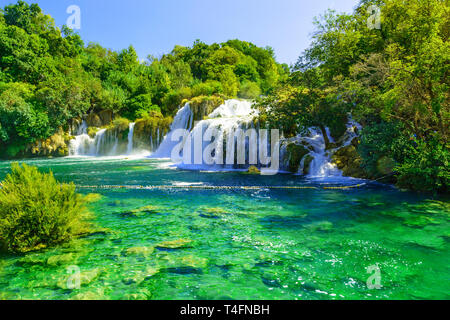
237, 243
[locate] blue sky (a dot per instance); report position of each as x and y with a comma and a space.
155, 26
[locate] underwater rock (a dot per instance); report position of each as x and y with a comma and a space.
213, 213
194, 262
140, 211
175, 244
143, 251
183, 265
141, 276
60, 260
33, 259
86, 278
98, 294
295, 154
141, 295
419, 221
320, 226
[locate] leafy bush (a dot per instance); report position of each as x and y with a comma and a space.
426, 167
38, 212
249, 90
380, 141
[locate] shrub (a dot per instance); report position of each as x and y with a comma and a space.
249, 90
38, 212
426, 168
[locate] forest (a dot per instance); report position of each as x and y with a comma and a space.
393, 80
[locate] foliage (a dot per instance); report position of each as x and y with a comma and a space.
426, 167
393, 80
49, 77
37, 212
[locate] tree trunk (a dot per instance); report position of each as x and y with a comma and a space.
325, 137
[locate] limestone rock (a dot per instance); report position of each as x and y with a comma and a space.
253, 170
143, 251
307, 164
295, 155
349, 161
175, 244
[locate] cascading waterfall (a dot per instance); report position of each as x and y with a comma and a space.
235, 114
321, 165
130, 138
230, 116
183, 120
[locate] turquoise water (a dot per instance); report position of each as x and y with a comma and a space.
237, 243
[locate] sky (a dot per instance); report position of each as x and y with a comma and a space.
155, 26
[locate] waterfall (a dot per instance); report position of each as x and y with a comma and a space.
321, 165
227, 118
130, 138
183, 120
82, 143
231, 115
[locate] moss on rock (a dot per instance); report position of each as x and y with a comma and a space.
202, 106
295, 155
307, 164
349, 161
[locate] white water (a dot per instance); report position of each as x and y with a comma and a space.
130, 139
183, 120
232, 115
321, 166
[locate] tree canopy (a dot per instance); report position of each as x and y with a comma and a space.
393, 78
49, 76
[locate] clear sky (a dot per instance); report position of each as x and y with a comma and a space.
155, 26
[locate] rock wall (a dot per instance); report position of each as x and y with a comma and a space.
55, 146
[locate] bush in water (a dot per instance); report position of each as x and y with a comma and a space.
37, 212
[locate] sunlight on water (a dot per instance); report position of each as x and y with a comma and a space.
237, 244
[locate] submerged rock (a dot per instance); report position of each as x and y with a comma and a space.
141, 295
175, 244
98, 294
140, 211
63, 259
143, 251
185, 264
320, 226
141, 276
